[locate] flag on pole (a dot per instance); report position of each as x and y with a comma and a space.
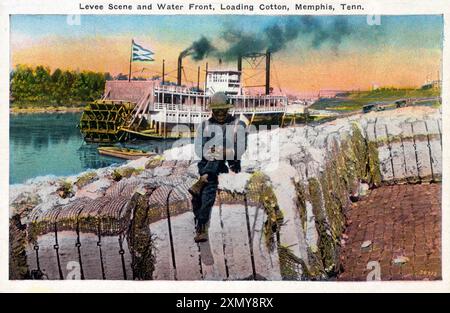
140, 53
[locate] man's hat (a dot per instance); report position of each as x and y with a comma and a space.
219, 100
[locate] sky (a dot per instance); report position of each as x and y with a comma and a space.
310, 53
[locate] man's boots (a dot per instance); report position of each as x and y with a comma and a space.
201, 234
197, 187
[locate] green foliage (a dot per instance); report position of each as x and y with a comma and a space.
86, 179
65, 189
140, 240
125, 172
291, 267
154, 162
263, 193
18, 265
392, 93
42, 87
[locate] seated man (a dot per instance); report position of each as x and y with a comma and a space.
219, 144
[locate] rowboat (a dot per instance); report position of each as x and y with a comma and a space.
124, 153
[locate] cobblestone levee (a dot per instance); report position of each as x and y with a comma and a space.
394, 234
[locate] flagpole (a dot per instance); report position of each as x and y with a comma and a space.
163, 71
131, 59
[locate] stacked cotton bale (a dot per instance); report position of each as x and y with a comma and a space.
281, 218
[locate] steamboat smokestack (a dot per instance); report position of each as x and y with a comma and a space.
198, 78
239, 66
267, 72
179, 69
206, 76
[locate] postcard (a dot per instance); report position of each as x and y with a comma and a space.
223, 142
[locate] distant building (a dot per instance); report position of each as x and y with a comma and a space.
332, 93
435, 84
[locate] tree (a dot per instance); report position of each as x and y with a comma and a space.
42, 84
62, 86
56, 75
39, 85
22, 83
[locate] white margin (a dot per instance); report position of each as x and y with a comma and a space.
385, 7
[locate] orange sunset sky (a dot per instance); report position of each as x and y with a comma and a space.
313, 54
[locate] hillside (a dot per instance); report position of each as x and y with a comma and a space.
354, 101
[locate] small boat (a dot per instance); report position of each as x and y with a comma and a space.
124, 153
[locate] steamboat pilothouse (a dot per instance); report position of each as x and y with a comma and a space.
155, 109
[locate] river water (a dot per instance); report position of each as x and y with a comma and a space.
44, 144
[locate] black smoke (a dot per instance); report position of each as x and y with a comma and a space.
240, 43
314, 32
199, 49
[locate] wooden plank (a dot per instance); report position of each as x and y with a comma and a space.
187, 258
266, 262
435, 148
398, 161
164, 269
127, 258
90, 255
409, 153
212, 251
237, 251
422, 150
291, 232
112, 259
436, 158
398, 158
370, 131
31, 257
433, 128
384, 154
68, 255
47, 256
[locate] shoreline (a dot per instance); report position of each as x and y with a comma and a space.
46, 110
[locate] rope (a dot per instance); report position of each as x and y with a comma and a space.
172, 249
227, 271
122, 257
37, 274
250, 237
56, 247
78, 245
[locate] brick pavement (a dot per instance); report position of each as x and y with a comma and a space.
396, 228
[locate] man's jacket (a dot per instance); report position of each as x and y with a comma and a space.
212, 136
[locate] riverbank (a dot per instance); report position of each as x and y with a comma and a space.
355, 100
